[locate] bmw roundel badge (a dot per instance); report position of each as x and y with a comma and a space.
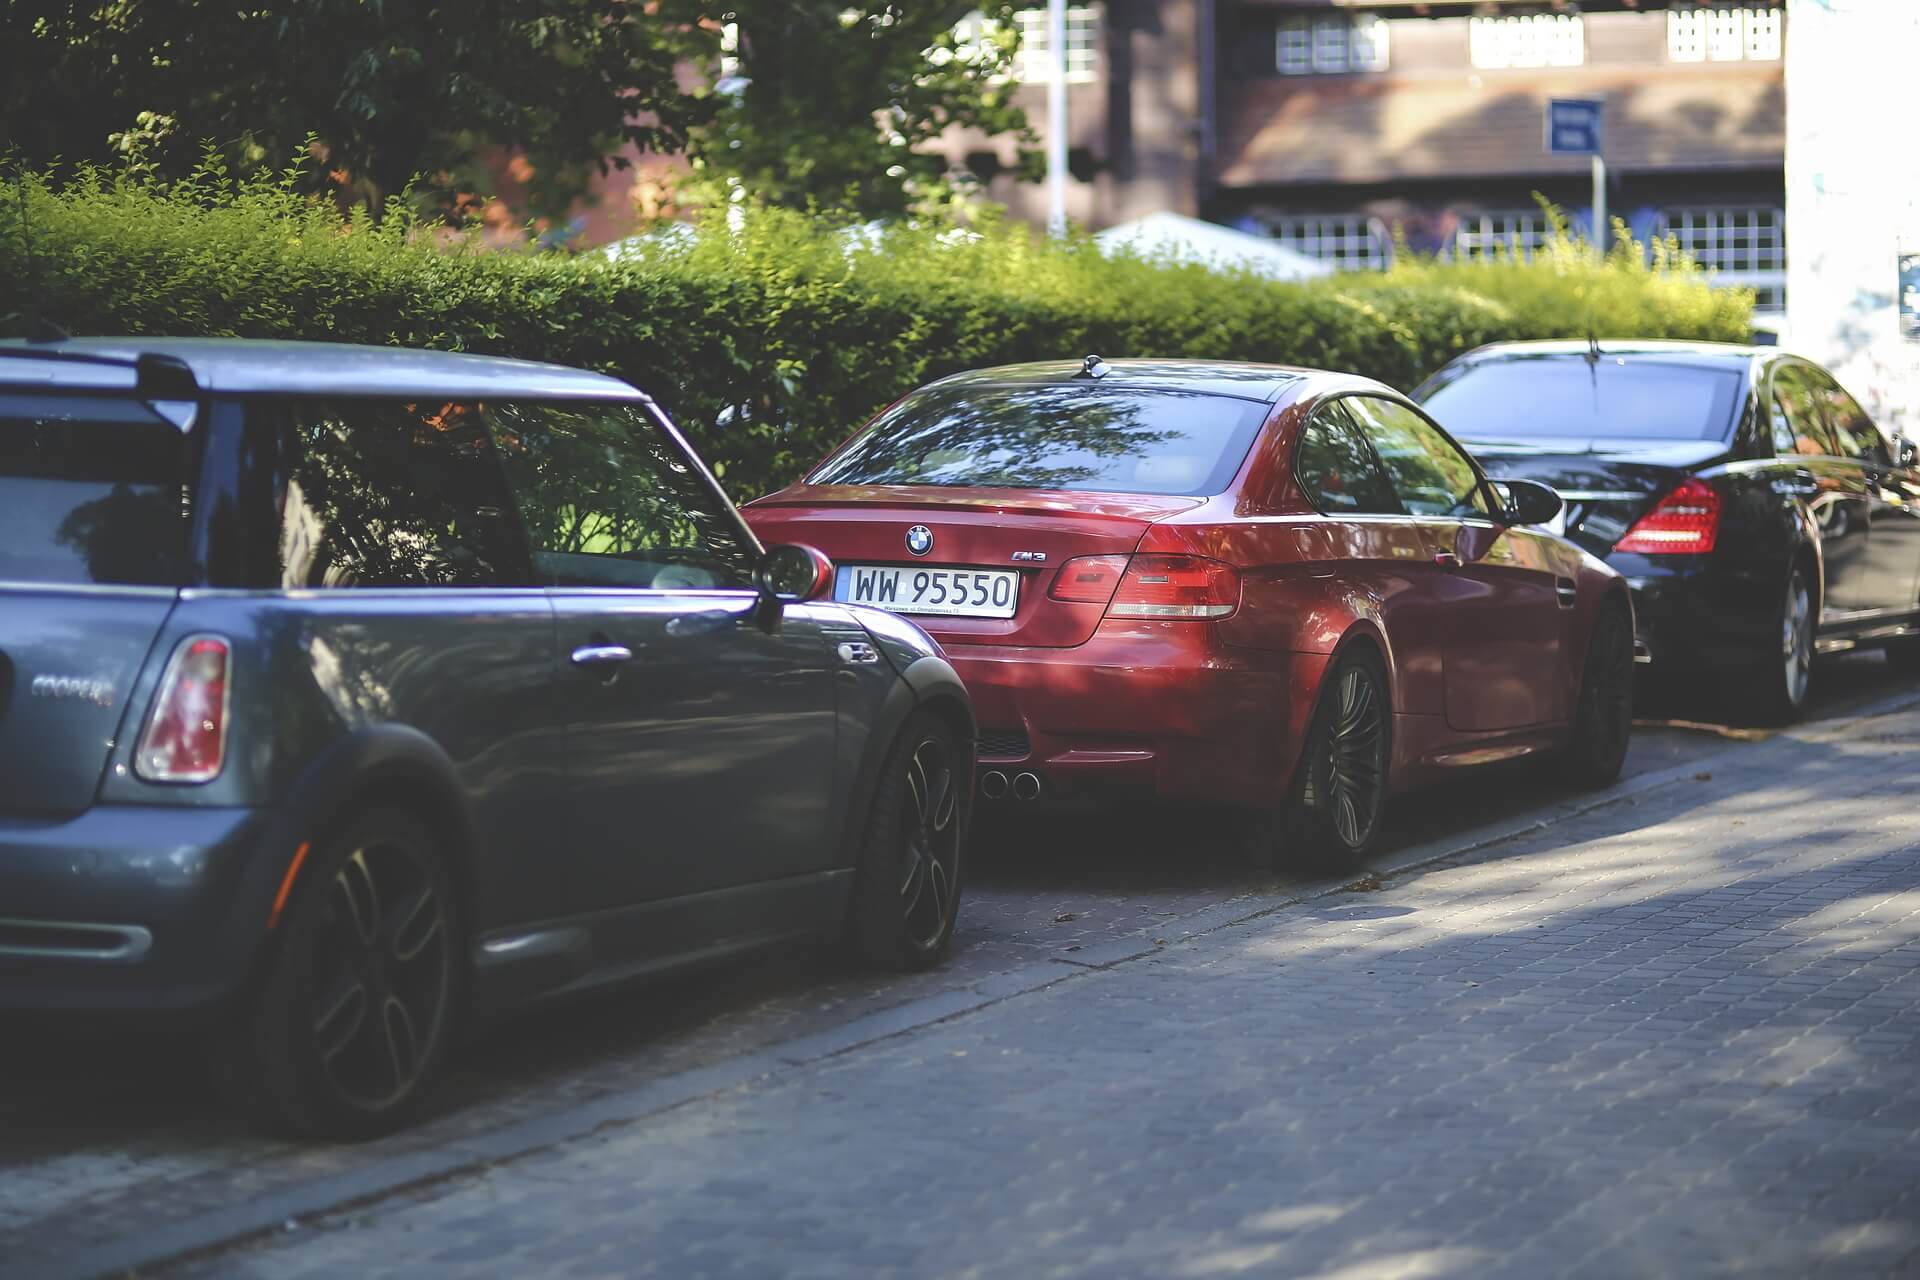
919, 539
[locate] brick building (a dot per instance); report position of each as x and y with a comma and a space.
1331, 123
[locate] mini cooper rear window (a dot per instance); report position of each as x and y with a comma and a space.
92, 491
1112, 440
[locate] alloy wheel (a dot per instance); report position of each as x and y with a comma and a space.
381, 975
1796, 636
930, 863
1356, 770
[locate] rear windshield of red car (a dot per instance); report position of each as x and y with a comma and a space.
1561, 397
92, 491
1107, 439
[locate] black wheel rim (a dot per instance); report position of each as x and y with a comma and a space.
1610, 688
1356, 757
930, 863
382, 958
1796, 637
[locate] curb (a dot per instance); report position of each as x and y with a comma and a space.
284, 1210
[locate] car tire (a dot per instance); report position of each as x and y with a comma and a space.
353, 1018
1603, 717
1775, 689
1337, 798
906, 892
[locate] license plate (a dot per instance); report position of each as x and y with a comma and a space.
967, 593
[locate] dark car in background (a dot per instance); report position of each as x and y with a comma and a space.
346, 690
1757, 511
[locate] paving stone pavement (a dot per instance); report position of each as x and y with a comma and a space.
1677, 1036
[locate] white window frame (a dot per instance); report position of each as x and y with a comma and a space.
1033, 64
1333, 45
1742, 245
1526, 40
1345, 240
1500, 233
1725, 33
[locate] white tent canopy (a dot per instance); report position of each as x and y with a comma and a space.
1178, 238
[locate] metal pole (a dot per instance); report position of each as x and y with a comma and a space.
1057, 117
1600, 227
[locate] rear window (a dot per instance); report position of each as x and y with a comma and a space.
1107, 439
1569, 398
92, 491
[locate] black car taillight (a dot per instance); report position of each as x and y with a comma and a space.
1685, 522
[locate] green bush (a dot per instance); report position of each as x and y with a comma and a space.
772, 340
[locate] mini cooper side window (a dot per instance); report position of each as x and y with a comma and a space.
1337, 469
610, 500
1430, 475
388, 493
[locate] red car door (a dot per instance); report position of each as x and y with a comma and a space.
1502, 604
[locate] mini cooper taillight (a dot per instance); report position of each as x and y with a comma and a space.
186, 734
1685, 522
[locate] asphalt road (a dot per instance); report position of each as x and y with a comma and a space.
111, 1130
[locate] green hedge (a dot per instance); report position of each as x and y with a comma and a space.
770, 341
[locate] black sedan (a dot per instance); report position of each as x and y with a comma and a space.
1758, 513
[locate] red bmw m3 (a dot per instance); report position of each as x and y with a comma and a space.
1281, 590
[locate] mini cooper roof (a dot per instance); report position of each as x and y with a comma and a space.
268, 366
1663, 350
1211, 377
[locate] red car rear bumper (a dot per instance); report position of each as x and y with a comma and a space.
1160, 709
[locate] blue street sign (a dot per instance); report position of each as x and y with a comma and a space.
1573, 126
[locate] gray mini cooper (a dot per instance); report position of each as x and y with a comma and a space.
346, 692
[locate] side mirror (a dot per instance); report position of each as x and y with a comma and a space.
794, 574
1906, 453
1529, 501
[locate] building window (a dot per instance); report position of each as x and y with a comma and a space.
1514, 233
1724, 33
1331, 45
1527, 40
1034, 63
1743, 246
1346, 240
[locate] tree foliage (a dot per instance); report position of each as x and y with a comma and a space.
829, 106
390, 89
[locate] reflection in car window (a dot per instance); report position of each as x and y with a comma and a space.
91, 491
1571, 397
1054, 437
1338, 470
1429, 474
610, 500
1853, 430
388, 493
1800, 423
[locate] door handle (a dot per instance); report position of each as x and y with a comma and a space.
1447, 560
601, 655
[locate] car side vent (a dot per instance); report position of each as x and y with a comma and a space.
38, 939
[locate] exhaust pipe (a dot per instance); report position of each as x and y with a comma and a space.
993, 784
1026, 786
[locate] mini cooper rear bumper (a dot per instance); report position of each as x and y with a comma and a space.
130, 909
1160, 710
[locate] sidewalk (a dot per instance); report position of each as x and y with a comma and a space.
1677, 1036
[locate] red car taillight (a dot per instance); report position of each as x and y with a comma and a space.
1088, 579
1162, 586
186, 736
1150, 586
1685, 522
